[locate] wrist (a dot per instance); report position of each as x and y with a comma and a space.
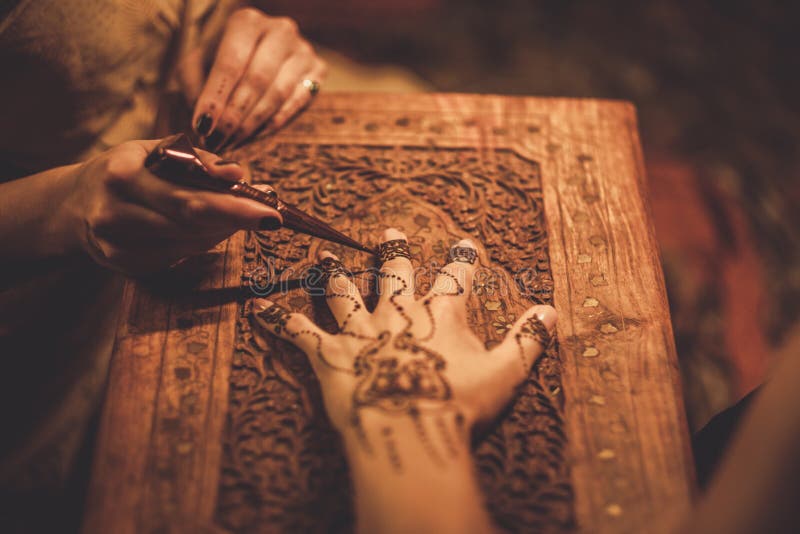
35, 225
431, 438
414, 473
63, 227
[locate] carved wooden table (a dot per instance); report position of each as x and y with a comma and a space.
207, 428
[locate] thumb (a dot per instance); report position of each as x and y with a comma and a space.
223, 168
530, 335
512, 359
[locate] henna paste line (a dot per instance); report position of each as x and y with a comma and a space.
535, 329
391, 450
278, 316
355, 422
446, 437
355, 308
424, 438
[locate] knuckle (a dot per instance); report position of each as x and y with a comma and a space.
246, 15
259, 81
297, 322
284, 92
274, 101
229, 67
229, 120
305, 48
191, 209
112, 254
286, 25
120, 168
102, 221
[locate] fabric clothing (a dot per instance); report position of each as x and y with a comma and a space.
710, 443
79, 77
84, 76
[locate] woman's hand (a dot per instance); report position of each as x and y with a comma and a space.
257, 76
405, 384
130, 220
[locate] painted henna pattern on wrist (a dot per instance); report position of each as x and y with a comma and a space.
391, 449
463, 255
396, 248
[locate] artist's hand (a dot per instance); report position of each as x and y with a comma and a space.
132, 221
257, 76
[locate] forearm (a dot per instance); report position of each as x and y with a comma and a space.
414, 476
757, 486
31, 222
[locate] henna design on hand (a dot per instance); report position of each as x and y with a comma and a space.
276, 316
394, 372
441, 425
396, 248
354, 309
331, 268
463, 254
318, 275
533, 328
391, 450
397, 382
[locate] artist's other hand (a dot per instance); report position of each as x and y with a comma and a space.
130, 220
256, 78
410, 358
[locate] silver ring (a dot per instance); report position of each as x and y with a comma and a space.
312, 86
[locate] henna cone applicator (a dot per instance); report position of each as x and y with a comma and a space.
175, 160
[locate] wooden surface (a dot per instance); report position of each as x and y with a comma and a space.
205, 428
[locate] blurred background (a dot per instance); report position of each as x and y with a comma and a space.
716, 86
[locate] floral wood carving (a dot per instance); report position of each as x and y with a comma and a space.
282, 465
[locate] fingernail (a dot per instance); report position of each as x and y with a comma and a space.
269, 223
261, 304
223, 162
548, 316
390, 234
326, 254
214, 140
203, 126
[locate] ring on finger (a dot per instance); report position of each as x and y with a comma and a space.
312, 86
396, 248
463, 254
